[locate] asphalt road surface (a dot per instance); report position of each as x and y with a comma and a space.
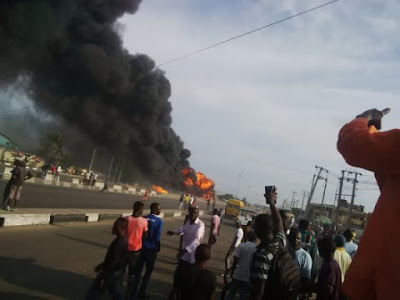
43, 196
57, 261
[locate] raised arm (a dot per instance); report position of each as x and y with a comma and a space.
276, 216
365, 147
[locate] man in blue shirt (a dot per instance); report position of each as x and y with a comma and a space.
148, 254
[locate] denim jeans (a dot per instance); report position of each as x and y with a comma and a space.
238, 286
113, 284
147, 257
132, 260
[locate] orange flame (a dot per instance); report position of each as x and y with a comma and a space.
159, 189
203, 182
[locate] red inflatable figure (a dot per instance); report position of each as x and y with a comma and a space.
375, 270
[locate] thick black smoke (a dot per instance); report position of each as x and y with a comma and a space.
79, 71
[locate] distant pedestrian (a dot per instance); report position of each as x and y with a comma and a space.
187, 200
242, 260
56, 176
18, 177
208, 203
148, 254
111, 271
341, 256
95, 176
192, 235
105, 186
146, 195
194, 281
137, 229
181, 201
236, 240
214, 228
350, 246
91, 178
329, 277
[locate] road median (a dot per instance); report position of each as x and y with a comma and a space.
44, 216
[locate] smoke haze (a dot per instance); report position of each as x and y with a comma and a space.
76, 71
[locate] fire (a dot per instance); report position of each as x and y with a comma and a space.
203, 182
197, 183
159, 189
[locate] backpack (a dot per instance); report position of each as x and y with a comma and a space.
284, 277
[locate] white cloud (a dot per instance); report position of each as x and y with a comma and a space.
269, 106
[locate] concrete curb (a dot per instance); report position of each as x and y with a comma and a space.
11, 219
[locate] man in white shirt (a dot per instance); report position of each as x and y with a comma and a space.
242, 259
193, 233
236, 240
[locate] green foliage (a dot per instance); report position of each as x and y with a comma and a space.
52, 148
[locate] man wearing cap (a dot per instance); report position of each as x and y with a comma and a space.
236, 240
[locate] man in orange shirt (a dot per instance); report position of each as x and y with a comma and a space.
137, 229
372, 273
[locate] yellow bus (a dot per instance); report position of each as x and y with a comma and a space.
233, 207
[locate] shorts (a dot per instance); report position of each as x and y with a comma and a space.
15, 192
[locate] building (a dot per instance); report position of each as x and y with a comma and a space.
7, 143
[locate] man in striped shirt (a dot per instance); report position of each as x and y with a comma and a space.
269, 230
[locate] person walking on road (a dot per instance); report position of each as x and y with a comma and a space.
146, 195
111, 271
214, 228
194, 281
236, 240
148, 254
18, 177
57, 173
192, 235
137, 229
181, 201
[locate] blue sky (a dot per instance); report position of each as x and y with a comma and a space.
270, 105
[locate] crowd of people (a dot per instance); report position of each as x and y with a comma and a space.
270, 258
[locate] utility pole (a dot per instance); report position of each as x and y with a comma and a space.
91, 162
353, 195
323, 196
313, 187
302, 203
120, 171
341, 179
116, 169
292, 202
109, 171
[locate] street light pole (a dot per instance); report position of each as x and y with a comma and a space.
91, 162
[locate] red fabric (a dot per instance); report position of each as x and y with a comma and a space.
136, 228
374, 272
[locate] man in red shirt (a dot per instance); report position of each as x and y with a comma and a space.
137, 229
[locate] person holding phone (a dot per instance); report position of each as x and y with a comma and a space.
269, 229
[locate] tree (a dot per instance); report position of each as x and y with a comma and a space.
52, 148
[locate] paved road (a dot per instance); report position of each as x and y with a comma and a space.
57, 261
42, 196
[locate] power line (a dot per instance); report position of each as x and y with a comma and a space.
248, 32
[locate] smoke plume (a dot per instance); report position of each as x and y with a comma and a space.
79, 71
